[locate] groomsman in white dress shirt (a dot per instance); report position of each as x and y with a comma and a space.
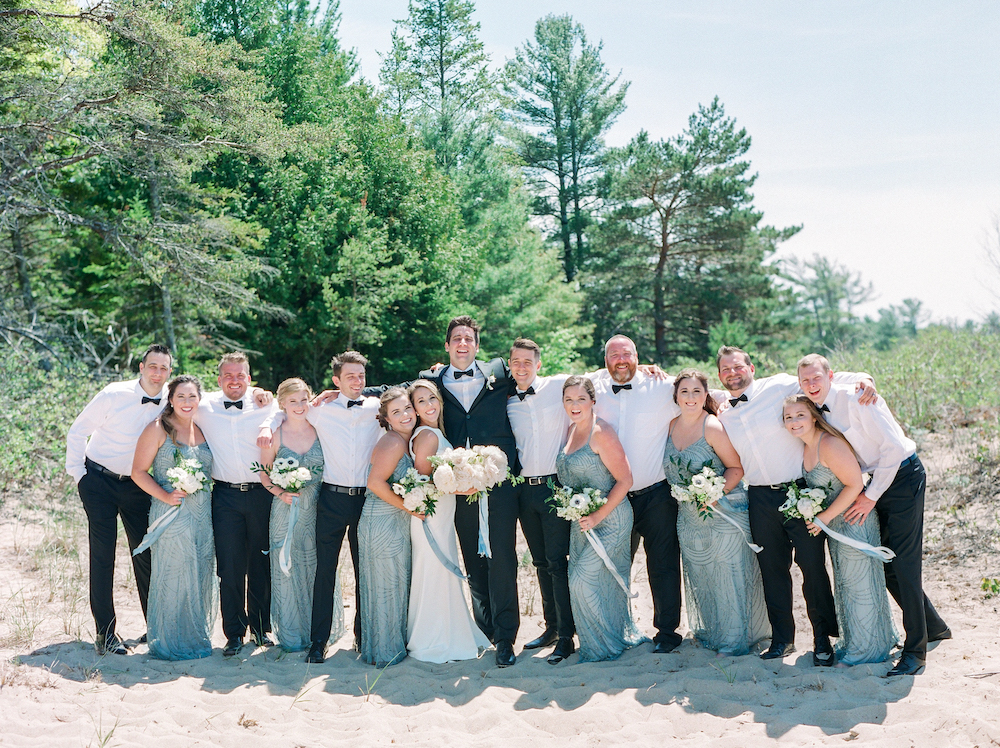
640, 407
348, 430
99, 449
895, 492
772, 458
241, 507
539, 423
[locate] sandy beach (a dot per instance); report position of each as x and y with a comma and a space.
55, 690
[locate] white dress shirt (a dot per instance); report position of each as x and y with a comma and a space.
348, 436
465, 389
231, 434
641, 416
539, 423
113, 420
873, 432
769, 454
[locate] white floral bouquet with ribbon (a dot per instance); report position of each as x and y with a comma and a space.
285, 472
572, 504
703, 490
474, 471
803, 503
418, 492
186, 475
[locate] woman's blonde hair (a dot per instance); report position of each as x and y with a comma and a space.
430, 386
290, 387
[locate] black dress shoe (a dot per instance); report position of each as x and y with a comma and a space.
823, 653
664, 647
946, 634
233, 646
112, 645
547, 639
262, 640
564, 648
317, 652
505, 653
777, 650
909, 664
142, 639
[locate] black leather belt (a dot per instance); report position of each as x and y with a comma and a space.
647, 489
909, 460
91, 465
349, 490
540, 480
244, 487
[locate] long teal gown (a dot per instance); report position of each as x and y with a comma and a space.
723, 591
866, 630
183, 590
292, 594
600, 606
384, 569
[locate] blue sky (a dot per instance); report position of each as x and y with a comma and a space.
875, 125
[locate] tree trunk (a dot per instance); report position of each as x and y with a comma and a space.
23, 279
168, 317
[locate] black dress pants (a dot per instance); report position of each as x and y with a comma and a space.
337, 514
105, 498
493, 582
779, 538
240, 521
548, 540
901, 517
655, 521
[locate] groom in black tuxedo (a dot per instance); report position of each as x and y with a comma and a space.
475, 413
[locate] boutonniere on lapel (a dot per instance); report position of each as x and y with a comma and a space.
490, 380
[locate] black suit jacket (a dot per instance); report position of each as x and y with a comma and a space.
486, 422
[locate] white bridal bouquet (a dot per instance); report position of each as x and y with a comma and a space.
704, 489
574, 504
803, 503
186, 475
474, 470
418, 493
285, 472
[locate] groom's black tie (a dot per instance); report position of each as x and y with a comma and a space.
233, 404
466, 373
825, 409
616, 388
522, 395
153, 400
734, 401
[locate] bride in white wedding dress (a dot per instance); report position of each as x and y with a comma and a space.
440, 627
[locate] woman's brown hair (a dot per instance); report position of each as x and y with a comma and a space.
168, 411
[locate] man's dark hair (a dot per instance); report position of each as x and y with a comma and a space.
157, 348
728, 350
527, 344
463, 321
347, 357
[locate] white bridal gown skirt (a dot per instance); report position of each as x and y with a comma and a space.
440, 627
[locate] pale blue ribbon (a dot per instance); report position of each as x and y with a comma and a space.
883, 554
285, 554
484, 525
602, 552
156, 529
445, 561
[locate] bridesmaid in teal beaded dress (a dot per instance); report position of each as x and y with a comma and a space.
183, 588
866, 630
384, 538
723, 592
593, 458
293, 524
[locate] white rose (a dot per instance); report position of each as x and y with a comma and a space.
444, 479
806, 508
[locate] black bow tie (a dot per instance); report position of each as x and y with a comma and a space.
733, 401
616, 388
824, 408
233, 404
153, 400
352, 403
467, 373
529, 391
